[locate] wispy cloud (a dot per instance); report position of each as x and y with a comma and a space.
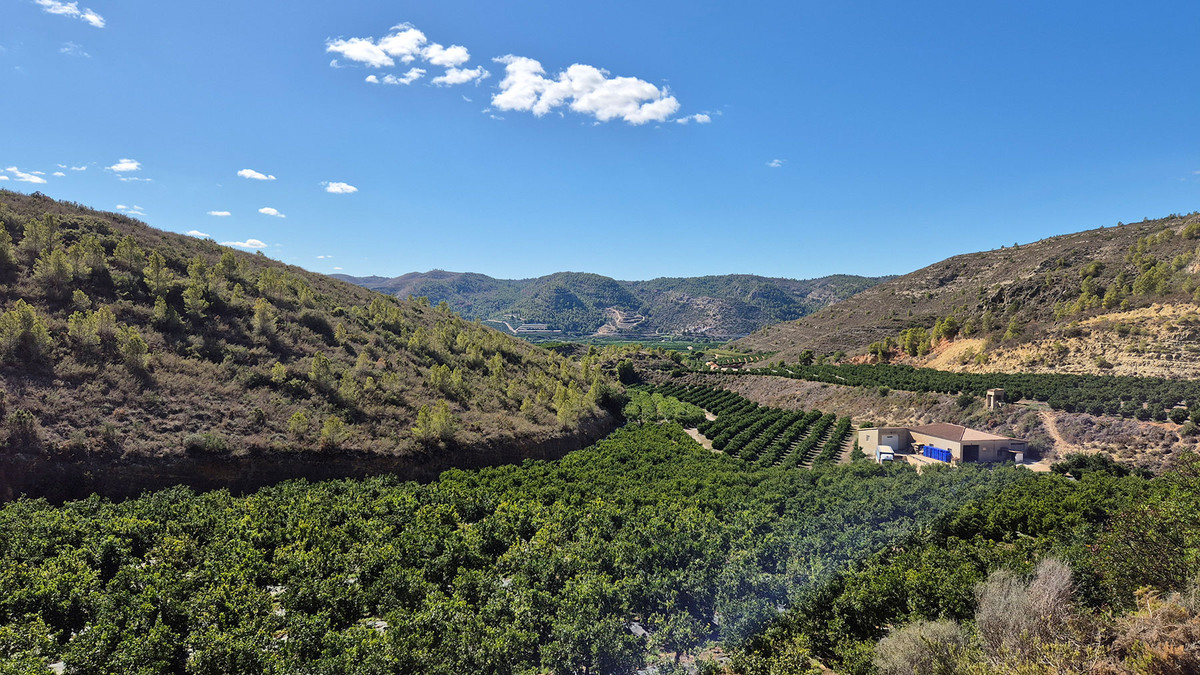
196, 233
406, 44
134, 210
338, 269
72, 10
340, 188
72, 49
249, 243
3, 177
79, 168
219, 214
254, 175
269, 211
776, 163
583, 89
324, 257
58, 174
125, 166
25, 177
698, 118
135, 179
409, 77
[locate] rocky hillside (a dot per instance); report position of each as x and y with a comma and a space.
1115, 299
119, 340
584, 304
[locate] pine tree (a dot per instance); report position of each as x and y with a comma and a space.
23, 333
263, 322
129, 255
53, 272
8, 256
321, 373
157, 275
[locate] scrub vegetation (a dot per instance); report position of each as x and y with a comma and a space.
120, 340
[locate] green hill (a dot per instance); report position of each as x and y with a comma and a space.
121, 341
583, 304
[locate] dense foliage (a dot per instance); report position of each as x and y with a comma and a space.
1141, 397
647, 406
1117, 531
520, 569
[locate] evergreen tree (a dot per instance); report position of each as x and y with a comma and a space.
23, 333
157, 275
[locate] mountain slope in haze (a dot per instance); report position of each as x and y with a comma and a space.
583, 304
1116, 299
117, 339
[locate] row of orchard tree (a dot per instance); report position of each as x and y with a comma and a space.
644, 545
1141, 397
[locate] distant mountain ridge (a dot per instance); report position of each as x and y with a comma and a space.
576, 303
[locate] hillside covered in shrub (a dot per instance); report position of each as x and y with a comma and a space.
1068, 303
117, 339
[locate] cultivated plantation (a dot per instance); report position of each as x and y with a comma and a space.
135, 359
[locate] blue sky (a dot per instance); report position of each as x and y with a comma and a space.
820, 137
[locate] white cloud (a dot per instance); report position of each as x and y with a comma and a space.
79, 168
249, 243
196, 233
340, 188
219, 214
254, 175
58, 173
448, 57
409, 77
406, 44
338, 268
323, 257
3, 177
23, 177
776, 163
698, 118
460, 76
134, 210
268, 211
362, 50
584, 89
126, 165
72, 49
135, 179
72, 10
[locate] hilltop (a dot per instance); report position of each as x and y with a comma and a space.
121, 341
1119, 300
584, 304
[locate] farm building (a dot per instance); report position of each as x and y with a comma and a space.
946, 442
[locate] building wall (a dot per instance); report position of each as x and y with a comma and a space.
954, 447
869, 439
